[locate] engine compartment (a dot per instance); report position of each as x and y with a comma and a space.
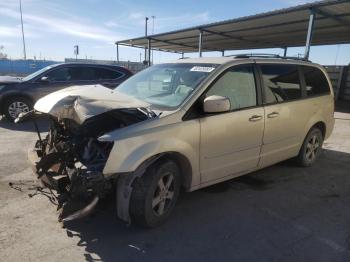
71, 159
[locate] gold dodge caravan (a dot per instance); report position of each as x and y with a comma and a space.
189, 123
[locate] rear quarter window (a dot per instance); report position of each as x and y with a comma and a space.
315, 81
103, 73
80, 73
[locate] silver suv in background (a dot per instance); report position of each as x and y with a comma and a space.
189, 123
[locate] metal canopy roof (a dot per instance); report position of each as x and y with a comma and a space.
280, 28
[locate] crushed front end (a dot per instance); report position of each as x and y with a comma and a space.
70, 159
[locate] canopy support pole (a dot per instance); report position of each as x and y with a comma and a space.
182, 55
285, 51
117, 46
149, 52
200, 43
223, 52
146, 25
310, 30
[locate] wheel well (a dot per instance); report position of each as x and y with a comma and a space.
322, 126
184, 165
9, 96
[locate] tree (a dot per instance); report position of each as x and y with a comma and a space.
2, 54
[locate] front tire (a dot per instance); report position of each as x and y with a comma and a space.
311, 148
16, 105
155, 194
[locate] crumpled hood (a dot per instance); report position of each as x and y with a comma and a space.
82, 102
9, 79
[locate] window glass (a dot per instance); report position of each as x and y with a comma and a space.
61, 74
83, 73
281, 83
237, 84
36, 73
103, 73
315, 81
166, 86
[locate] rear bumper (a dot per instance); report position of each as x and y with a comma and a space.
1, 105
329, 128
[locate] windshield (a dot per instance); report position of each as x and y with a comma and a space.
166, 85
36, 73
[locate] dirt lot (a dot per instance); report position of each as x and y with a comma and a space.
282, 213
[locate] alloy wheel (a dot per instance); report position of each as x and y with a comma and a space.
16, 108
312, 148
163, 194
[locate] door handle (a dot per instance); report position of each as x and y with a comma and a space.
255, 118
273, 115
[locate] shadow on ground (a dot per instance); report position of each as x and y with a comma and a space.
27, 126
281, 213
342, 106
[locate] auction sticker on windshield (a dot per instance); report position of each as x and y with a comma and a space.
206, 69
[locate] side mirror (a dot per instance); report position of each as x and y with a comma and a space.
216, 104
44, 79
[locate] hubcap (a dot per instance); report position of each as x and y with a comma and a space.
312, 147
16, 108
163, 194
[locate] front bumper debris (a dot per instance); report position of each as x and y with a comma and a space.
77, 194
70, 159
69, 214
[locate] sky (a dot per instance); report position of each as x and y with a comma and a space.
53, 27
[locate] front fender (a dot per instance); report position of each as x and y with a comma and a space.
128, 154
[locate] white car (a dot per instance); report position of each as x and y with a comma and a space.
189, 123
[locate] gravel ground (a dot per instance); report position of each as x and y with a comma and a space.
281, 213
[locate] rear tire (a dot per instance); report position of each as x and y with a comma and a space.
311, 148
155, 194
15, 105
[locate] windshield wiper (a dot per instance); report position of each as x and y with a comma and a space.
148, 112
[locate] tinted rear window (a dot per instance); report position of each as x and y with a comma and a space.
281, 83
83, 73
315, 81
103, 73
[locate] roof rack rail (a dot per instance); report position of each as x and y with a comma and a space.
252, 55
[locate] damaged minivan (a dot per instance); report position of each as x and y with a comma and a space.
185, 124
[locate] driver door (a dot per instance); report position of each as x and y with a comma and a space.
231, 141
